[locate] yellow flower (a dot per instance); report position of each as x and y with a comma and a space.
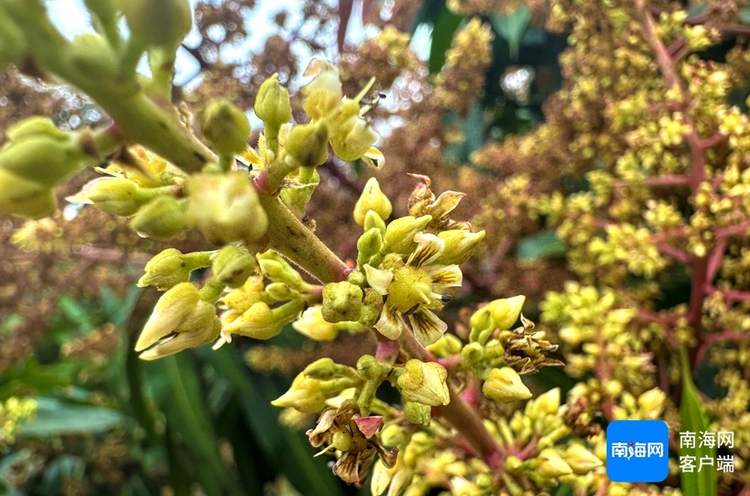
414, 290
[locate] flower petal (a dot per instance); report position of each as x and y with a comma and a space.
427, 327
389, 324
445, 203
429, 248
378, 279
374, 158
449, 276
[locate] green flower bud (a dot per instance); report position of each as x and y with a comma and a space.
392, 435
505, 385
424, 383
472, 352
581, 460
165, 270
370, 315
45, 160
307, 144
91, 55
368, 245
262, 322
272, 103
417, 413
351, 135
35, 127
25, 198
322, 369
481, 325
547, 404
274, 267
13, 46
372, 219
115, 195
279, 291
372, 199
162, 218
342, 301
225, 208
449, 344
399, 235
370, 369
232, 266
357, 278
323, 94
158, 22
305, 395
459, 245
505, 311
225, 127
551, 465
180, 320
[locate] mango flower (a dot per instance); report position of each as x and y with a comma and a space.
414, 290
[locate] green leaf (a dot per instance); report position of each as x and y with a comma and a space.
540, 246
693, 418
442, 37
76, 312
511, 27
56, 418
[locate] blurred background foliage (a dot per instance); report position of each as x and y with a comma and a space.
200, 422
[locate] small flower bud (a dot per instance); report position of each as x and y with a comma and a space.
225, 208
272, 103
472, 352
551, 465
45, 160
274, 267
90, 54
25, 198
417, 413
232, 266
322, 369
165, 270
369, 245
448, 345
307, 144
392, 435
373, 220
370, 369
459, 245
35, 127
115, 195
279, 291
323, 94
225, 127
342, 301
548, 403
652, 401
305, 395
505, 311
399, 235
481, 325
158, 22
262, 322
372, 198
314, 326
581, 460
505, 385
162, 218
424, 383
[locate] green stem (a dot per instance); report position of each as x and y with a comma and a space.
288, 236
154, 124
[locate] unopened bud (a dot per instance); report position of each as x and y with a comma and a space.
652, 401
481, 325
472, 352
46, 160
25, 198
448, 345
225, 208
225, 127
35, 127
165, 270
91, 55
369, 245
417, 413
581, 460
459, 245
307, 144
372, 198
505, 311
274, 267
552, 465
548, 403
232, 266
322, 369
323, 94
342, 301
369, 368
399, 235
115, 195
305, 395
372, 220
314, 326
424, 383
505, 385
272, 103
162, 218
158, 22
